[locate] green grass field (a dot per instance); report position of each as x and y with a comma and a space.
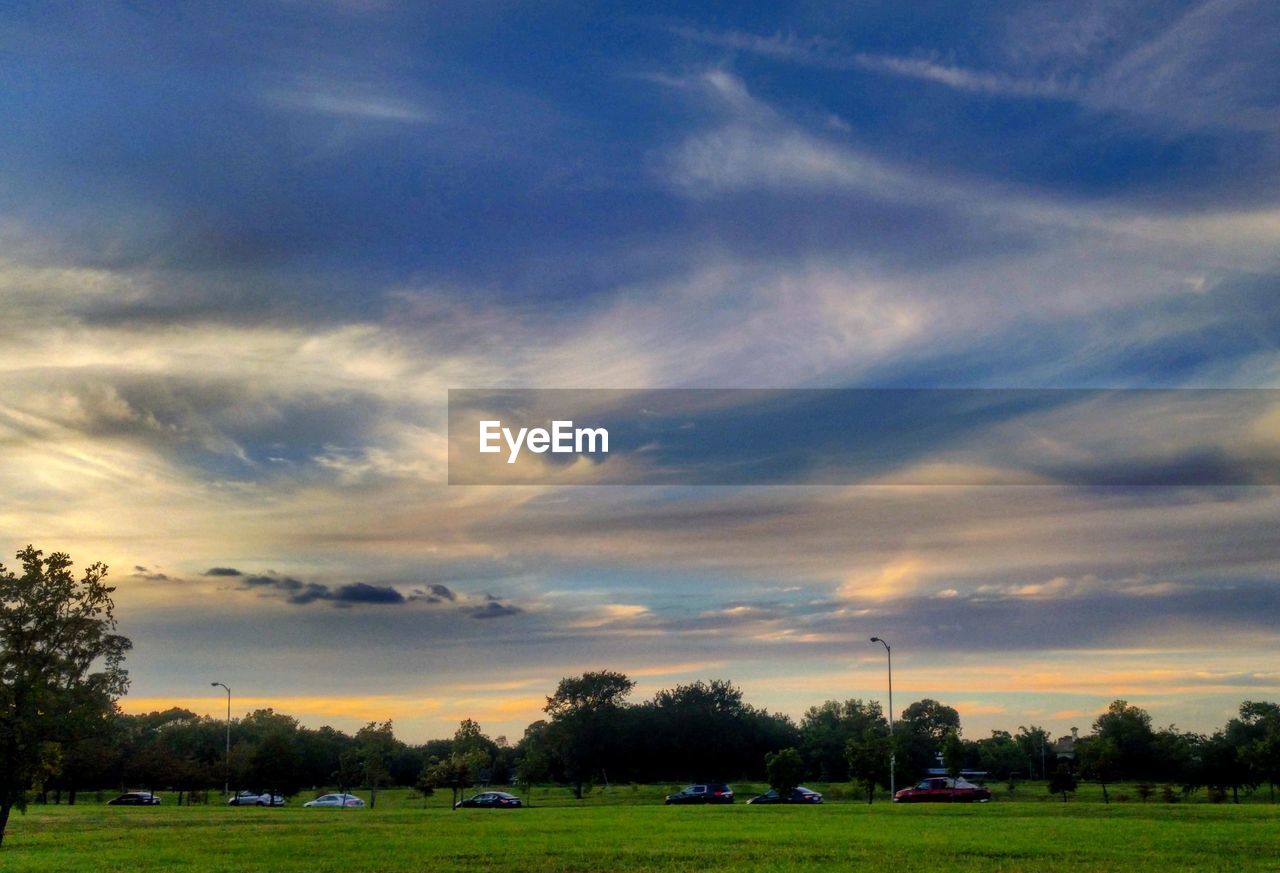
624, 829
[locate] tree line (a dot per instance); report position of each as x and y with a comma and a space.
62, 732
594, 734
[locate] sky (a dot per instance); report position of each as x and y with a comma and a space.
246, 250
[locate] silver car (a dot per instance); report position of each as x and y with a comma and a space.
254, 798
338, 800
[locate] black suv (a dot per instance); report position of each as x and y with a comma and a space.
709, 792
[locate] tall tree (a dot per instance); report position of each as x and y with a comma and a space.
1062, 781
1129, 728
1033, 741
1257, 731
785, 769
1098, 758
376, 744
827, 729
61, 666
924, 726
586, 713
868, 757
456, 772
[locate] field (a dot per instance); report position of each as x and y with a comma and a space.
625, 830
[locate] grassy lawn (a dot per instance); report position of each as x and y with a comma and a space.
607, 833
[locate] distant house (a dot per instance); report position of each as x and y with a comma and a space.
1065, 747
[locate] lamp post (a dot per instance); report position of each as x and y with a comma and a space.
226, 787
892, 752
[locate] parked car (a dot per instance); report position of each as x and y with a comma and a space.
134, 798
490, 800
255, 798
799, 794
942, 789
710, 792
336, 800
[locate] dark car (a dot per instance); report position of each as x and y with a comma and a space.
941, 789
709, 792
134, 798
799, 794
490, 800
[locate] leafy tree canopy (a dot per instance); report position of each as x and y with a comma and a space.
61, 666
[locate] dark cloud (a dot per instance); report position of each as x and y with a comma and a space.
361, 592
298, 592
222, 571
433, 594
141, 572
494, 608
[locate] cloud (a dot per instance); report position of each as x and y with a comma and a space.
1204, 68
820, 52
222, 571
142, 572
351, 104
298, 592
434, 594
494, 608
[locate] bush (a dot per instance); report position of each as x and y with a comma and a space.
1169, 794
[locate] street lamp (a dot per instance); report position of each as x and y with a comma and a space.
226, 787
892, 752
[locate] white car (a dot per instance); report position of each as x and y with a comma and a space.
349, 800
254, 798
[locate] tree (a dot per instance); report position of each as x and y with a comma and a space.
953, 754
1033, 741
1001, 756
376, 744
1062, 781
585, 717
785, 769
826, 731
1257, 731
469, 738
456, 772
61, 666
533, 762
1129, 728
925, 724
868, 758
349, 770
1099, 757
1223, 767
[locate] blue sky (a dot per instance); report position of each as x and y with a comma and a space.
246, 250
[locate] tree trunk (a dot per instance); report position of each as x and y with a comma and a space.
4, 819
1105, 798
1235, 793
